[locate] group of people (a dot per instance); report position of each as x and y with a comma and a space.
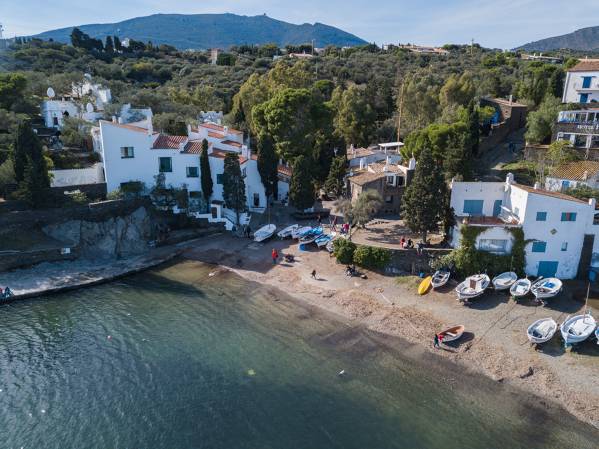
409, 244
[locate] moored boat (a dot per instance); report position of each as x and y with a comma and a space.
504, 280
472, 287
311, 235
520, 288
546, 288
288, 231
451, 334
577, 328
264, 233
440, 278
323, 240
299, 232
541, 330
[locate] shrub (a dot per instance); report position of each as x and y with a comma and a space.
115, 195
344, 251
371, 257
79, 197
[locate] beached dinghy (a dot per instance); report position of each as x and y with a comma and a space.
546, 288
472, 287
424, 285
520, 288
299, 232
440, 278
451, 334
311, 236
264, 233
288, 231
578, 328
541, 330
323, 240
504, 280
597, 335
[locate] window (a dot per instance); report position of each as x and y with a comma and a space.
580, 140
243, 172
565, 246
586, 82
256, 200
596, 219
541, 216
497, 208
55, 121
492, 245
389, 199
391, 180
193, 172
584, 98
219, 178
400, 181
127, 153
565, 184
473, 207
165, 165
539, 247
568, 216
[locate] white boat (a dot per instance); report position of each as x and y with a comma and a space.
264, 233
520, 288
311, 235
578, 328
451, 334
597, 335
541, 330
472, 287
546, 288
323, 240
440, 278
288, 231
504, 280
300, 231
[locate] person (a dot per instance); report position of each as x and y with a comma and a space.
419, 248
436, 341
319, 220
334, 224
410, 244
248, 232
402, 242
313, 274
275, 256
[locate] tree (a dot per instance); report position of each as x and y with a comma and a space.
419, 103
206, 174
36, 183
540, 123
109, 45
301, 188
118, 46
233, 185
423, 201
78, 37
366, 207
354, 119
457, 91
268, 163
25, 139
334, 182
12, 87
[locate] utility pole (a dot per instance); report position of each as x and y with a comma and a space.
312, 47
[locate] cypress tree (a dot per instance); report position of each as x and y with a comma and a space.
109, 46
36, 183
117, 44
334, 181
233, 185
206, 174
301, 189
24, 141
268, 165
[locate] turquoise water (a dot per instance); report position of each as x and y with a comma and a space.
176, 359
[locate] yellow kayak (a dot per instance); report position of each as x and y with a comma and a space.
425, 285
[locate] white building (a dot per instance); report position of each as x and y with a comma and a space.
573, 174
55, 112
561, 228
582, 82
134, 152
383, 152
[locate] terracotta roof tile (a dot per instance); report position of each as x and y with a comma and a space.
194, 147
220, 154
586, 65
164, 142
232, 143
559, 195
364, 177
285, 170
216, 135
219, 128
576, 170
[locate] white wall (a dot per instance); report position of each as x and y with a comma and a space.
51, 109
555, 184
573, 87
79, 176
489, 192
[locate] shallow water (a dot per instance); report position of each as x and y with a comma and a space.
175, 359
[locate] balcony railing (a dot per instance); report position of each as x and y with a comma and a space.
508, 216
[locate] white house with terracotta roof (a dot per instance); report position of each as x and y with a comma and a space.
582, 82
564, 236
134, 152
573, 174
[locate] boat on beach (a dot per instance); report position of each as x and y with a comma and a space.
541, 330
504, 280
472, 287
264, 233
451, 334
323, 240
425, 285
520, 288
299, 232
577, 328
311, 235
546, 288
288, 231
440, 278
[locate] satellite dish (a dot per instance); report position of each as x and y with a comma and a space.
50, 92
89, 107
88, 76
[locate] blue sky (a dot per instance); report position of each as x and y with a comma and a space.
502, 24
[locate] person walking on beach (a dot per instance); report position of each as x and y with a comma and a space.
436, 342
275, 256
319, 221
313, 274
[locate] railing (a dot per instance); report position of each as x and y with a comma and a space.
506, 215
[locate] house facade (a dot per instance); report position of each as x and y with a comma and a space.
561, 230
374, 153
582, 82
573, 174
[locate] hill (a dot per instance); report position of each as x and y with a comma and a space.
204, 31
585, 39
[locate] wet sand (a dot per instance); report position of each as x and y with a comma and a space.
495, 342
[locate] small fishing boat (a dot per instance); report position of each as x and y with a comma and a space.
541, 330
323, 240
520, 288
578, 328
264, 233
504, 280
299, 232
425, 285
288, 231
451, 334
311, 235
440, 278
330, 247
546, 288
597, 335
472, 287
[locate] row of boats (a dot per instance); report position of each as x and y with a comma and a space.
304, 234
575, 329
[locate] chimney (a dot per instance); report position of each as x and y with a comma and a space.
585, 175
120, 119
188, 130
412, 164
150, 127
537, 186
592, 203
226, 130
361, 163
511, 98
509, 179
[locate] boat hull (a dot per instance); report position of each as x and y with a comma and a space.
452, 334
424, 285
504, 281
264, 233
578, 328
520, 288
466, 291
536, 332
440, 278
546, 288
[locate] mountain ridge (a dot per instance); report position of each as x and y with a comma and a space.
583, 39
204, 31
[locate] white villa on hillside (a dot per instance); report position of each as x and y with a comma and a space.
563, 229
134, 152
573, 174
582, 82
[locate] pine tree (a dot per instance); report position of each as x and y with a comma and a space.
109, 46
423, 201
24, 141
35, 186
334, 181
473, 128
233, 185
268, 165
206, 173
301, 189
117, 44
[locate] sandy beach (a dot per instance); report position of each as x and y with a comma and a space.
495, 343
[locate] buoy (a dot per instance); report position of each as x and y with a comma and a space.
43, 411
251, 372
341, 373
109, 337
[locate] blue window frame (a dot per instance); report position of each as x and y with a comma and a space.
584, 98
541, 216
568, 216
539, 247
586, 81
565, 185
473, 207
219, 178
547, 268
497, 208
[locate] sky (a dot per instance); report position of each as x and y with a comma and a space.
495, 24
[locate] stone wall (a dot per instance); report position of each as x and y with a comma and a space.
408, 261
9, 261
